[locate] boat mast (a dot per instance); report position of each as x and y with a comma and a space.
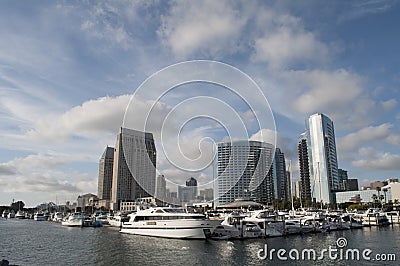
320, 195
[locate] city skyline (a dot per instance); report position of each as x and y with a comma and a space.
68, 70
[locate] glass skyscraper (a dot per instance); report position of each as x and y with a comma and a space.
134, 174
242, 170
324, 179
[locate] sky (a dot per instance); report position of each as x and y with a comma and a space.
69, 69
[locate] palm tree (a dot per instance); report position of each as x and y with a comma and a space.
385, 190
374, 198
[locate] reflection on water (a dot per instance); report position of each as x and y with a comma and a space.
27, 242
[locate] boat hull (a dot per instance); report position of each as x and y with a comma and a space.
169, 229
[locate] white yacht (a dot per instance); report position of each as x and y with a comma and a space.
101, 217
169, 222
11, 214
39, 216
5, 214
73, 220
234, 227
117, 219
271, 223
20, 215
58, 217
374, 216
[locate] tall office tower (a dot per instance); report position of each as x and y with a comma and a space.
297, 189
324, 179
342, 175
189, 192
289, 196
161, 188
243, 170
191, 182
134, 173
304, 185
280, 179
105, 174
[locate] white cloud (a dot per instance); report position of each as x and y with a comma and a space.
389, 104
209, 27
94, 116
379, 161
324, 90
367, 135
288, 46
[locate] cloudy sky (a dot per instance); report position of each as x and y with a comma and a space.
68, 70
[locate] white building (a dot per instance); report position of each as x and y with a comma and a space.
324, 179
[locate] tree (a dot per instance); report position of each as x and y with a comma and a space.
374, 198
16, 206
385, 190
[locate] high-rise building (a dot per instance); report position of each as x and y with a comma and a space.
304, 183
243, 170
206, 194
189, 192
280, 177
297, 189
289, 196
161, 188
324, 179
343, 177
351, 184
134, 174
105, 174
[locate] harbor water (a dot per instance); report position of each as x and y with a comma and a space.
28, 242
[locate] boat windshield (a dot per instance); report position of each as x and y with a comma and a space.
174, 210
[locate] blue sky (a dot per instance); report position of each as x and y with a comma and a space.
68, 69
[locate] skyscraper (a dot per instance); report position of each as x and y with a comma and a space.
161, 188
343, 177
324, 179
243, 170
134, 174
105, 174
280, 178
304, 184
189, 192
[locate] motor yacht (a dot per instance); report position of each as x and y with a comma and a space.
11, 214
39, 216
5, 214
374, 216
117, 219
235, 227
20, 215
271, 223
58, 217
73, 220
169, 222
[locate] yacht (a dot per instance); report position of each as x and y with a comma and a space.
374, 216
169, 222
39, 216
58, 217
11, 214
117, 219
271, 223
5, 214
101, 217
73, 220
234, 227
292, 227
20, 215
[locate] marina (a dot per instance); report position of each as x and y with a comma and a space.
27, 242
